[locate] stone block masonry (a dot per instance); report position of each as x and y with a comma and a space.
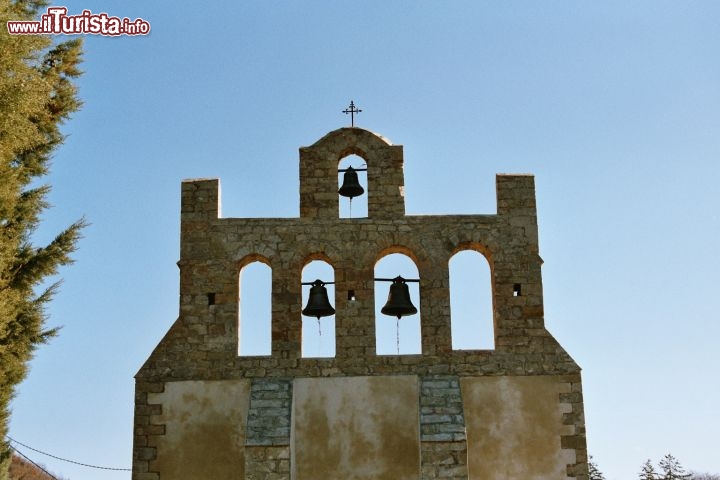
268, 420
447, 414
441, 410
442, 428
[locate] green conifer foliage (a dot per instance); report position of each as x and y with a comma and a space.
648, 471
36, 95
672, 469
593, 470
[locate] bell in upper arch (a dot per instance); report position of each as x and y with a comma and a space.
318, 303
398, 302
351, 185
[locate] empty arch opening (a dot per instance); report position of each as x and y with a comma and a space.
471, 308
318, 335
255, 317
393, 336
357, 207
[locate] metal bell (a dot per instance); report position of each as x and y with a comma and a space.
398, 302
318, 304
351, 185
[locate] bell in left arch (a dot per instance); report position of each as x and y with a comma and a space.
351, 185
318, 303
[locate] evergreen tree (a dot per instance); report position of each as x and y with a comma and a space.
594, 471
36, 96
648, 471
672, 470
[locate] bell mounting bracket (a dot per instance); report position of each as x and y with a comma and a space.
397, 279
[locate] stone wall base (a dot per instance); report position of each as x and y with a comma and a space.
267, 462
443, 460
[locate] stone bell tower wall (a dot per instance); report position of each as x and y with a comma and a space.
318, 174
452, 388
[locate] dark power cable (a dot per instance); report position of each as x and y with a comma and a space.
30, 460
66, 460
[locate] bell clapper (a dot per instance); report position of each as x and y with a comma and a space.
319, 327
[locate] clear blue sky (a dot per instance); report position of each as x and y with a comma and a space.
614, 106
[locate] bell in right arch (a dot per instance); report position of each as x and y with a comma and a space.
351, 185
398, 303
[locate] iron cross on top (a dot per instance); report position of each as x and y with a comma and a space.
352, 111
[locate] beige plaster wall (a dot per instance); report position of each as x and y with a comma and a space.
356, 428
204, 430
514, 425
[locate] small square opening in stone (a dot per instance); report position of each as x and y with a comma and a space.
351, 295
517, 290
211, 298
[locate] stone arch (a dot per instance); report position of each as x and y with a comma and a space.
393, 336
253, 257
397, 248
319, 163
356, 207
317, 256
311, 251
254, 276
481, 248
351, 150
318, 335
472, 298
351, 138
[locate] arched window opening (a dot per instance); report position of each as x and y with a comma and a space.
318, 334
255, 317
355, 207
471, 308
395, 336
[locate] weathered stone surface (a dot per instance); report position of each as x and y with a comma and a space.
356, 427
517, 428
202, 345
268, 421
199, 431
441, 412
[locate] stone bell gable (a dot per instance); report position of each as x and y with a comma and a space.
203, 411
